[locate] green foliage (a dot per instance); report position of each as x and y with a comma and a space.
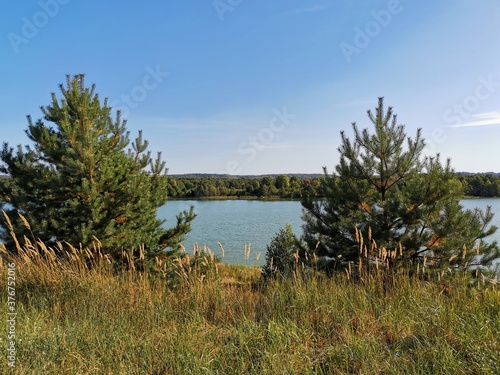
398, 199
283, 186
84, 179
280, 186
282, 254
480, 184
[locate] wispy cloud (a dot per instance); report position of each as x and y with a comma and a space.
482, 119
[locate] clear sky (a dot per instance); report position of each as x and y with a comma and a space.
256, 87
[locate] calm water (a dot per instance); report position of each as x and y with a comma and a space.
236, 223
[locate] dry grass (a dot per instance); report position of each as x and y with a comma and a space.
78, 315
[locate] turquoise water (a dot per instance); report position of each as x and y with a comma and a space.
236, 224
239, 223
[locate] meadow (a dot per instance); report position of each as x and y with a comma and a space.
76, 314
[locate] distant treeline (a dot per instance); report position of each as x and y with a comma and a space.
279, 186
480, 184
294, 186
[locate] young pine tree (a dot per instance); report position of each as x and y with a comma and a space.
398, 199
280, 254
81, 180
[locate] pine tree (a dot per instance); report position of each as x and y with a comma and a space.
398, 199
280, 254
81, 181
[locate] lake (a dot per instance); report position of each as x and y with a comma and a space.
239, 223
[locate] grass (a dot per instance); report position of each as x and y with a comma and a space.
73, 318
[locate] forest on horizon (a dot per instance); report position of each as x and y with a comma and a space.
295, 186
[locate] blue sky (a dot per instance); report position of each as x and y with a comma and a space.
255, 87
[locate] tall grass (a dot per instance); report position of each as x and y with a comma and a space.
79, 315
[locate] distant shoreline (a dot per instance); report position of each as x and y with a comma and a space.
273, 198
235, 198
